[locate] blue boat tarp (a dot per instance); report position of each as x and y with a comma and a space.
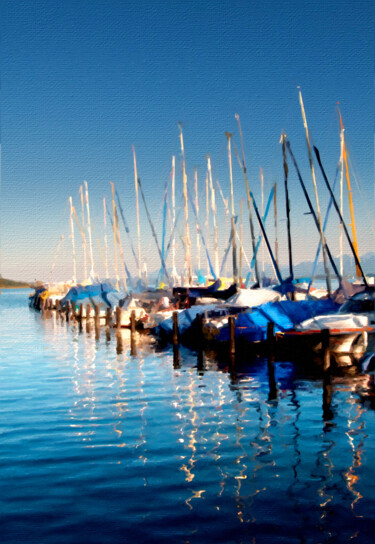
185, 319
251, 325
82, 292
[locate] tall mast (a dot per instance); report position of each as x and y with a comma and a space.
244, 169
84, 241
275, 223
137, 208
262, 212
92, 273
116, 227
207, 219
174, 271
354, 230
73, 241
285, 164
241, 240
197, 210
105, 239
319, 217
341, 198
115, 234
213, 208
233, 221
187, 230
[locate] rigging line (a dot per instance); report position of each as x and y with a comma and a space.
153, 231
264, 218
356, 258
127, 230
157, 221
201, 234
59, 245
315, 217
280, 279
124, 262
362, 192
320, 242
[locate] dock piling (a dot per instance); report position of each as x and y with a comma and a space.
132, 334
272, 395
326, 354
175, 328
232, 339
118, 317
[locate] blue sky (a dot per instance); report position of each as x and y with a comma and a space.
82, 81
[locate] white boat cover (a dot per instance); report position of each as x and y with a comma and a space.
253, 297
335, 321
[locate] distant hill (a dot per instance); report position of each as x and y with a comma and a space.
11, 284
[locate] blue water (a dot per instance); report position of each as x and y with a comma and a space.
99, 446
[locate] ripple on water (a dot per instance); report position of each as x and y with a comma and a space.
97, 446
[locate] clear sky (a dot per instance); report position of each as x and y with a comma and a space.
84, 80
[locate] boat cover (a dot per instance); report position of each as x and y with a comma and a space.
251, 325
253, 297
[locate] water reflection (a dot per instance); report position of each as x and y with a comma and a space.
140, 439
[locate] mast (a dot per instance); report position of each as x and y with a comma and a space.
187, 230
312, 211
286, 171
275, 223
241, 241
115, 234
213, 208
116, 227
244, 169
341, 198
207, 219
357, 261
197, 210
84, 241
137, 208
319, 217
262, 212
233, 221
92, 273
74, 279
105, 239
174, 271
354, 230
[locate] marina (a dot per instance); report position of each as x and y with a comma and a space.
187, 272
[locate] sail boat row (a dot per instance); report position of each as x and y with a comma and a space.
124, 292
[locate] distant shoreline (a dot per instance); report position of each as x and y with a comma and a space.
16, 287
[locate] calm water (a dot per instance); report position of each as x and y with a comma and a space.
98, 446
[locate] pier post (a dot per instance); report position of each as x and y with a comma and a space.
132, 333
119, 347
326, 354
232, 339
271, 339
68, 308
88, 310
118, 317
97, 321
272, 395
108, 317
108, 323
79, 318
200, 341
175, 328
